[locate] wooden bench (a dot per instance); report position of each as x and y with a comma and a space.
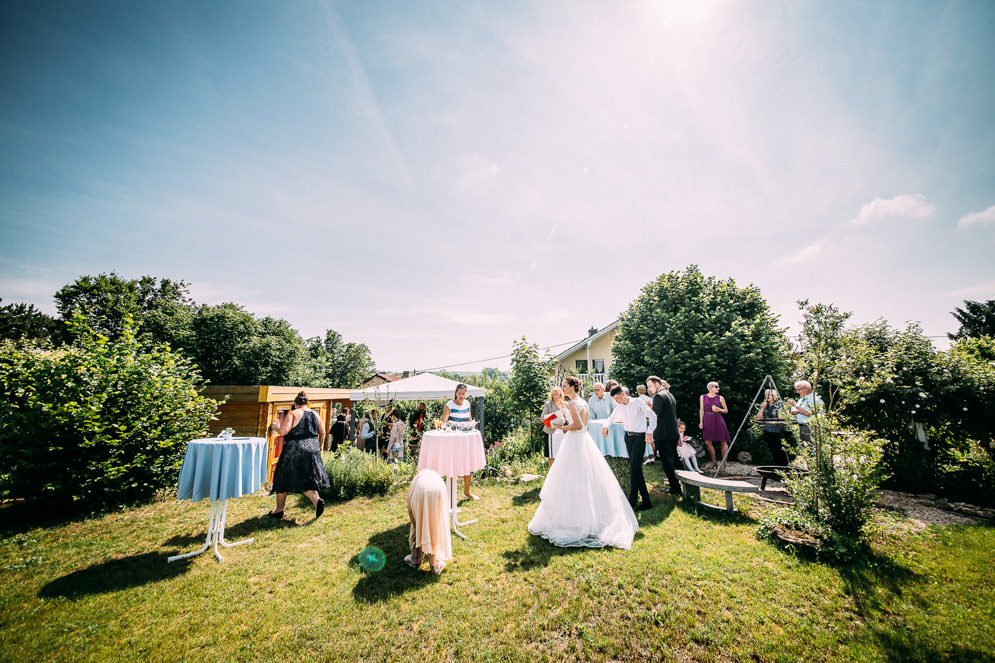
692, 482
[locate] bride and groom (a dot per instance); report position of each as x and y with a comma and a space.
582, 503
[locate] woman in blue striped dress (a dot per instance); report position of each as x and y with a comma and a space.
457, 410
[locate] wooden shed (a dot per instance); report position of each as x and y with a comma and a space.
250, 410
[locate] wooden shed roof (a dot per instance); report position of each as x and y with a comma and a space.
271, 393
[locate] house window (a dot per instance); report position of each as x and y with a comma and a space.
599, 365
581, 366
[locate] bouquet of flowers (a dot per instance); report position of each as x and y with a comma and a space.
554, 419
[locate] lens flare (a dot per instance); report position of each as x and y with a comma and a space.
372, 559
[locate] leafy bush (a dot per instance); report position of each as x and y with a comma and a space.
100, 422
931, 406
967, 475
841, 486
516, 453
353, 473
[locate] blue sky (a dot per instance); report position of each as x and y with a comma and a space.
438, 179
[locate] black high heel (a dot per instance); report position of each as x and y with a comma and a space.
319, 508
275, 515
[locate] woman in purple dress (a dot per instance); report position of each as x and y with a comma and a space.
711, 407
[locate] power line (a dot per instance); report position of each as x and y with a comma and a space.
548, 347
479, 361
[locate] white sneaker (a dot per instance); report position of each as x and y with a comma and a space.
648, 461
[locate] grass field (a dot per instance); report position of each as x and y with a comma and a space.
693, 588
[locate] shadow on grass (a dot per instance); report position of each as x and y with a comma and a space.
662, 506
530, 496
898, 644
714, 514
395, 577
535, 553
242, 530
21, 516
876, 582
114, 575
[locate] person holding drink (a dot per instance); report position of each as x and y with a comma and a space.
457, 410
711, 407
300, 468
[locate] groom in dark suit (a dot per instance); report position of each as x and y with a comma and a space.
665, 434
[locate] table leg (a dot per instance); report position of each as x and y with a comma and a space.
215, 533
221, 532
207, 542
454, 510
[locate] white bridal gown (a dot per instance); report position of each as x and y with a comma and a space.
581, 501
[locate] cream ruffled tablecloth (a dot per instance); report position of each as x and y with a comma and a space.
428, 506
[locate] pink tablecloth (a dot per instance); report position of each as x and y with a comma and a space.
451, 453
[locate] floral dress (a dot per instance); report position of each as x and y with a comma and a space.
299, 468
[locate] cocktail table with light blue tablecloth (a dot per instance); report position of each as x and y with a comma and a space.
614, 444
219, 470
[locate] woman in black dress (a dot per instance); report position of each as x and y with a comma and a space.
769, 417
299, 468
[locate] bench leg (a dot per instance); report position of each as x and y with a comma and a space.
729, 502
693, 493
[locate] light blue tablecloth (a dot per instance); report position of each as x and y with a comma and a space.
614, 444
222, 469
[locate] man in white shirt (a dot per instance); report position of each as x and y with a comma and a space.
639, 421
601, 404
810, 405
641, 395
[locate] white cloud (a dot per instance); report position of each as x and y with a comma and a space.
911, 206
805, 253
502, 278
449, 310
978, 290
556, 315
978, 218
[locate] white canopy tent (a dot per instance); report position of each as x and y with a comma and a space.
421, 387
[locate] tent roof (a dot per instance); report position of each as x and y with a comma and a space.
421, 387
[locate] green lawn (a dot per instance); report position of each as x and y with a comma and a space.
699, 588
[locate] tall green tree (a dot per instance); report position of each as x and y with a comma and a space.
976, 319
690, 329
106, 300
828, 356
331, 362
529, 385
23, 322
232, 347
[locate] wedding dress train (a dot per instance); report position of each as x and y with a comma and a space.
582, 504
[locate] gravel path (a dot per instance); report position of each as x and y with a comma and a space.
919, 508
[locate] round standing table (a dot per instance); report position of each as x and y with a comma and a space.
614, 444
219, 470
452, 454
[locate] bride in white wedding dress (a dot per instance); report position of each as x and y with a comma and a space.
581, 501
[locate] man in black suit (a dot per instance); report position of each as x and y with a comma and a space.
665, 434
